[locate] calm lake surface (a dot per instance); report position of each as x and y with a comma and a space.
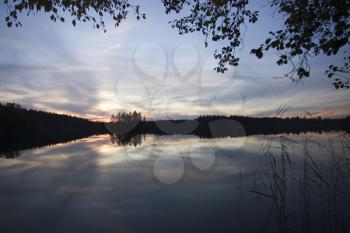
270, 183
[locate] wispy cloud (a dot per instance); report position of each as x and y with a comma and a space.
146, 66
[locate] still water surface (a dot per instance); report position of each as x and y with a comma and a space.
270, 183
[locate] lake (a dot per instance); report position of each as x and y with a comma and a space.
261, 183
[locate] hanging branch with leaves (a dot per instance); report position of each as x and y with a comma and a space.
84, 10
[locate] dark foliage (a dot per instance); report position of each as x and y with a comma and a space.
92, 11
249, 126
218, 20
24, 129
126, 117
311, 27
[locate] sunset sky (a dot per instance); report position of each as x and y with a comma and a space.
146, 66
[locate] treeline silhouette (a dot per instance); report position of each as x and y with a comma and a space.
276, 125
232, 126
21, 128
215, 126
126, 117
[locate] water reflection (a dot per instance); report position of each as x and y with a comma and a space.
128, 139
173, 183
11, 154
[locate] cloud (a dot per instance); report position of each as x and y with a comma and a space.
57, 67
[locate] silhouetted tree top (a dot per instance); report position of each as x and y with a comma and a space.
84, 10
127, 117
311, 27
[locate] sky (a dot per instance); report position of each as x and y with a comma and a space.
146, 66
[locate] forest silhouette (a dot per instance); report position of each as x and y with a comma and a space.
22, 129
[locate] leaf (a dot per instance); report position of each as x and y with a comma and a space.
259, 53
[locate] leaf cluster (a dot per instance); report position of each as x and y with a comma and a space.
79, 10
